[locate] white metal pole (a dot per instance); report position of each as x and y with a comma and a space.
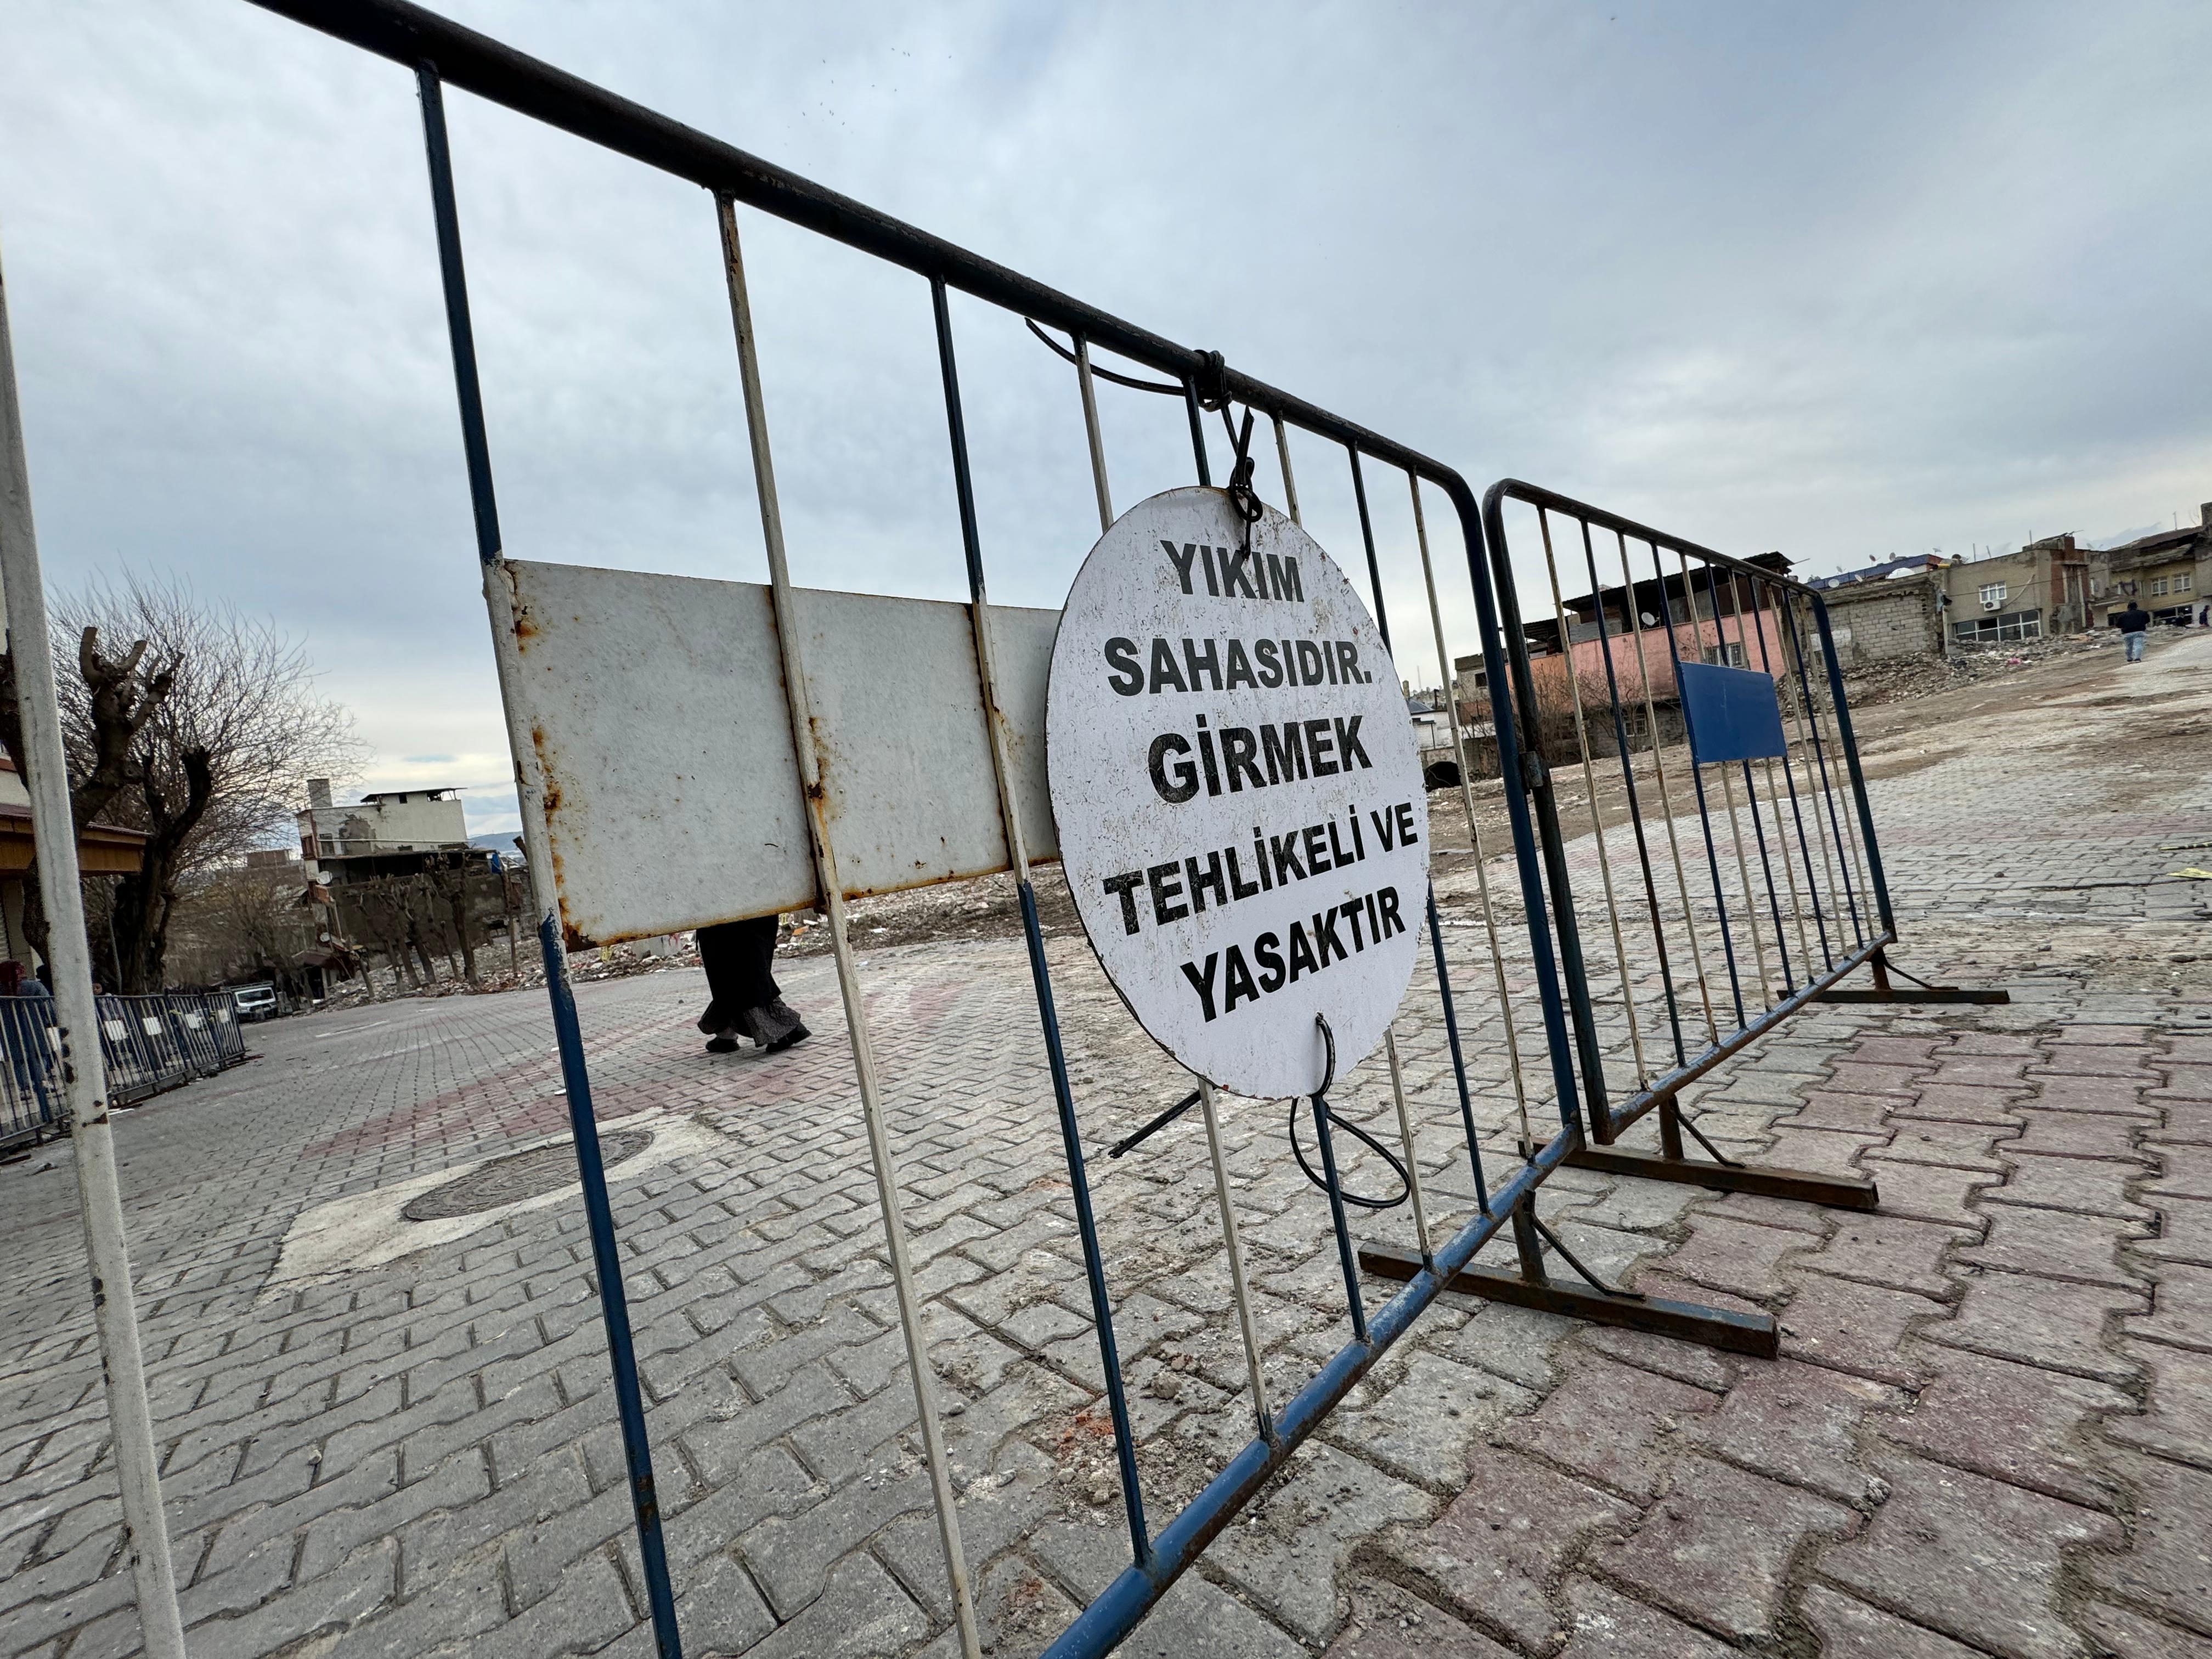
84, 1074
833, 909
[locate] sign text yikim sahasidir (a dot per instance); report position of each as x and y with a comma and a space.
1238, 799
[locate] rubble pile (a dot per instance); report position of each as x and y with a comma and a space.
1906, 678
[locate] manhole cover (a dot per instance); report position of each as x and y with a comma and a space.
526, 1175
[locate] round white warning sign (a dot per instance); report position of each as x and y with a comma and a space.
1237, 793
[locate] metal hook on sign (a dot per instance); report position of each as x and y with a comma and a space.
1328, 1046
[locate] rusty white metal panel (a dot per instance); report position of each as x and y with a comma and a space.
656, 705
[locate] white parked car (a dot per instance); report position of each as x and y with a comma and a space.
255, 1001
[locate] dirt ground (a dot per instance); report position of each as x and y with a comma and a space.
1907, 715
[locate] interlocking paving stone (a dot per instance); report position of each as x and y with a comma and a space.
1852, 1630
1500, 1549
1610, 1625
1798, 1423
1718, 1555
2168, 1571
2124, 1632
1390, 1623
2019, 1423
1975, 1558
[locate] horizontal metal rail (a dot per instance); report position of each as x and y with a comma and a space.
409, 35
1670, 1084
1536, 496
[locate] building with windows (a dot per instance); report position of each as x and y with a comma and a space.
2046, 588
2168, 573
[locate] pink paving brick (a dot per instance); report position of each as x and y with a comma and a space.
2021, 1424
1849, 1629
1974, 1558
1894, 1251
2043, 1321
1853, 1327
2168, 1572
1798, 1423
1609, 1625
1497, 1551
1719, 1555
1606, 1421
2055, 1244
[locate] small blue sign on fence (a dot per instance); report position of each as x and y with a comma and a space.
1732, 713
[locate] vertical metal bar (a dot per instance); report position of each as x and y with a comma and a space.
568, 1038
1391, 1031
1406, 1140
1697, 777
1344, 1252
831, 893
1245, 1323
1728, 792
1667, 793
1628, 782
1239, 1284
994, 715
1600, 1106
1827, 785
1751, 797
1851, 746
1766, 870
1847, 822
1197, 434
1847, 843
1459, 1066
1760, 610
1498, 611
84, 1077
1090, 387
1481, 881
1283, 459
1793, 654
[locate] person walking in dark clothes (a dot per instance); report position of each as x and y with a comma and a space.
2134, 624
742, 999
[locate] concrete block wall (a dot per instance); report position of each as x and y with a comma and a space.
1887, 619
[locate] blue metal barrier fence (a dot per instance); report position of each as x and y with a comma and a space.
151, 1044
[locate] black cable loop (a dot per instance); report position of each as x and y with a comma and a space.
1405, 1186
1321, 1099
1169, 387
1210, 385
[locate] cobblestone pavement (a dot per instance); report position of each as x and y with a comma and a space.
1988, 1434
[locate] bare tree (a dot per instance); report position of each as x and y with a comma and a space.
244, 919
202, 732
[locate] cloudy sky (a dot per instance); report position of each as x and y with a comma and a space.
1839, 280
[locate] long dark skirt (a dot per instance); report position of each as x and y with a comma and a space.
738, 956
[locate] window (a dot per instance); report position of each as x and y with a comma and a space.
1997, 630
2181, 583
1729, 652
1993, 596
2158, 587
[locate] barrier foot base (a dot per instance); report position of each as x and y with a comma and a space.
1919, 991
1837, 1192
1755, 1335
